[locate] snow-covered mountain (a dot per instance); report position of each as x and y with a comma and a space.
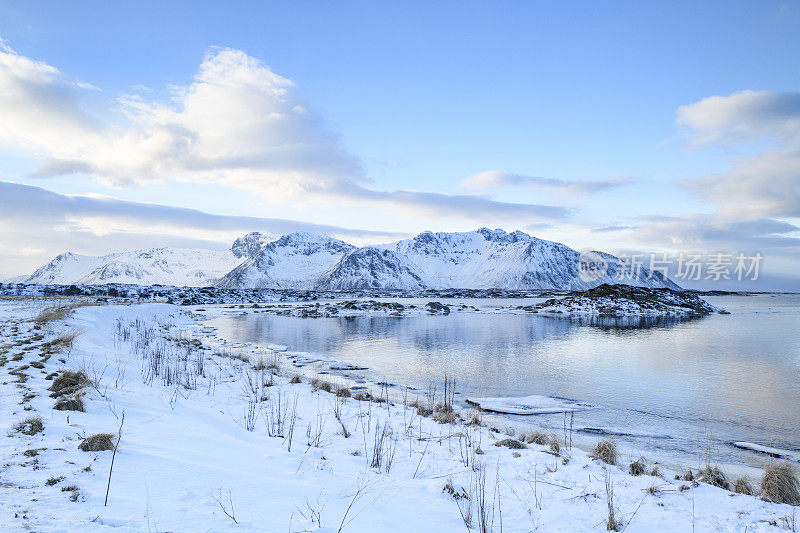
467, 260
496, 259
295, 261
164, 266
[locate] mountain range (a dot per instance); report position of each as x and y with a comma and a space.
466, 260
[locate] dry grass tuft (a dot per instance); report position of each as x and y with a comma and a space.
535, 437
780, 484
638, 467
713, 475
319, 384
72, 403
423, 409
606, 451
344, 392
52, 314
68, 382
553, 444
30, 426
58, 344
97, 443
514, 444
742, 485
295, 380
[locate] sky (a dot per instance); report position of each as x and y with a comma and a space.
628, 127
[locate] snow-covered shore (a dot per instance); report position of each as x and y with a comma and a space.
220, 439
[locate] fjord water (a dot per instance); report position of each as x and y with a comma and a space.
668, 386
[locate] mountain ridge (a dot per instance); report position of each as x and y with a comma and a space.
479, 259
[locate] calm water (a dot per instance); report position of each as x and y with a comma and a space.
664, 385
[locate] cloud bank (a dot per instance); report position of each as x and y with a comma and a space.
37, 224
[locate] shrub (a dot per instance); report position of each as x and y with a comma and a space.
780, 484
97, 443
344, 392
30, 426
295, 380
606, 451
54, 480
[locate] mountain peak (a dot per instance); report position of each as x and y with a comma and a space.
499, 235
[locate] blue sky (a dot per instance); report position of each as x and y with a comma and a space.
419, 96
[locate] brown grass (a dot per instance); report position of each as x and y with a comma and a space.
535, 437
58, 344
638, 467
514, 444
780, 484
319, 384
52, 314
30, 426
73, 403
713, 475
100, 442
742, 485
68, 382
344, 392
606, 451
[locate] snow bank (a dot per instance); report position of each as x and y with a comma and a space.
529, 405
791, 455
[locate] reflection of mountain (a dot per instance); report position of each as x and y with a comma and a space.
630, 322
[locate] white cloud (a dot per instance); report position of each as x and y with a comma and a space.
765, 184
745, 116
236, 124
38, 224
496, 179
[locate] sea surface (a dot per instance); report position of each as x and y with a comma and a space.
682, 387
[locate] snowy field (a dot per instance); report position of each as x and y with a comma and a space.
206, 437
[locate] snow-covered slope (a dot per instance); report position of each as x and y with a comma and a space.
375, 268
295, 261
165, 266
